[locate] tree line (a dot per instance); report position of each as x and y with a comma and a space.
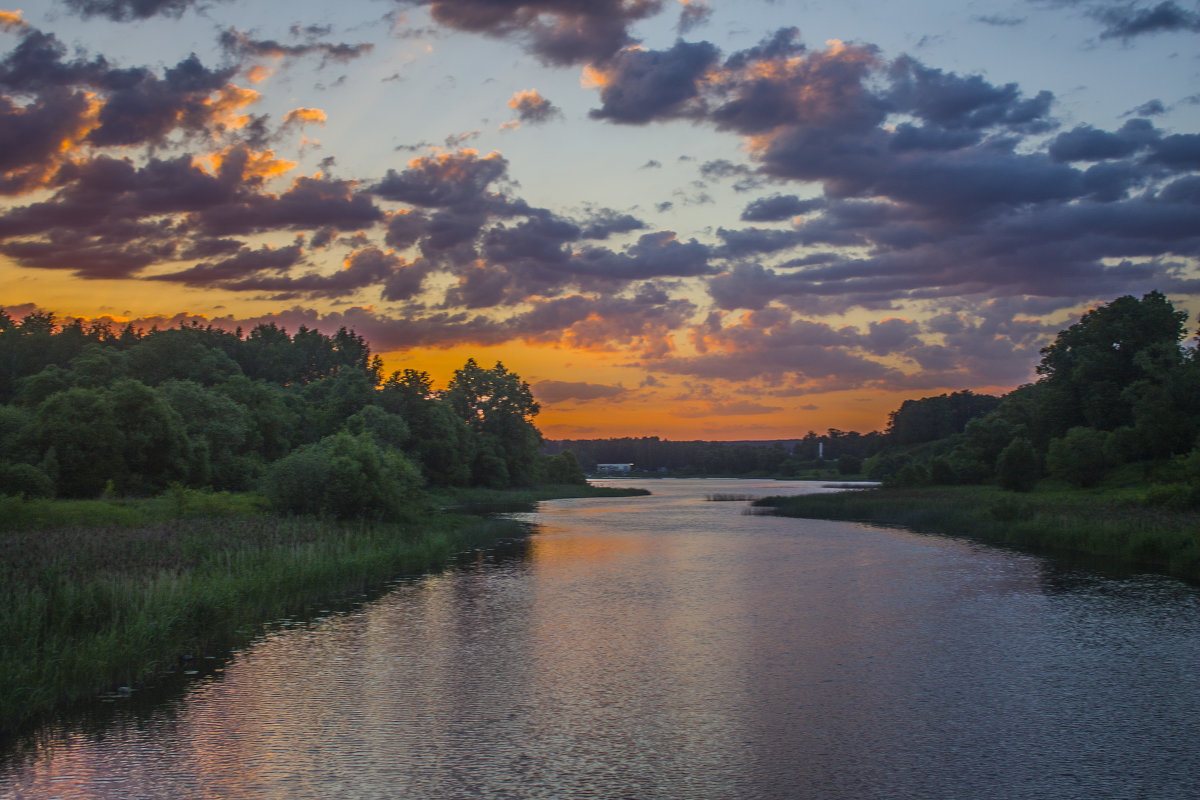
307, 418
1118, 388
835, 449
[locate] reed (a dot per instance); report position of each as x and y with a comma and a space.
1117, 525
125, 591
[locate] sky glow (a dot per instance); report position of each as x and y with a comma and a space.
715, 220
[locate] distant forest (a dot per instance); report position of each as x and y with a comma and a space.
308, 419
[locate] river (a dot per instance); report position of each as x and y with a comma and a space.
674, 647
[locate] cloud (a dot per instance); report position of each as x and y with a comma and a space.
638, 86
532, 108
559, 32
241, 46
693, 14
777, 208
1126, 22
457, 180
126, 10
565, 391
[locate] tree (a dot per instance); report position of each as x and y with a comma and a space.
1079, 457
500, 408
1017, 467
1112, 347
154, 443
78, 425
344, 477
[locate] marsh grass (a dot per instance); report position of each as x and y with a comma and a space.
98, 595
1116, 524
479, 500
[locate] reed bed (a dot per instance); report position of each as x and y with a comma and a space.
87, 608
1112, 525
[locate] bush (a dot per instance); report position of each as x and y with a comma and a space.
941, 473
562, 469
1017, 467
1079, 457
25, 480
849, 465
343, 476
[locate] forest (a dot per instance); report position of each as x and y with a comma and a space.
307, 419
1117, 392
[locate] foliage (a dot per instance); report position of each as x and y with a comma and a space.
562, 468
343, 476
931, 418
1079, 457
1017, 467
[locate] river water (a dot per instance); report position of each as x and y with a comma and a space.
673, 647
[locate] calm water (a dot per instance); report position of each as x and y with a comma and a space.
669, 647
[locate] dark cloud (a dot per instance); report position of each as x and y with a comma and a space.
779, 207
1085, 143
1151, 108
1180, 151
125, 10
131, 106
459, 180
606, 222
566, 391
953, 101
269, 270
754, 241
1127, 21
638, 86
240, 45
245, 263
309, 203
560, 32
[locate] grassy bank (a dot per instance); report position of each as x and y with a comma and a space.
477, 500
1113, 524
96, 595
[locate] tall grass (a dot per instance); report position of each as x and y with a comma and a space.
123, 591
1116, 525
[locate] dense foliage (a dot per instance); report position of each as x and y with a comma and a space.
308, 419
1118, 388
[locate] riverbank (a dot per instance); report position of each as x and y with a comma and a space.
106, 595
1117, 525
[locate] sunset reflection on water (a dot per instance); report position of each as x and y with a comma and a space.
666, 647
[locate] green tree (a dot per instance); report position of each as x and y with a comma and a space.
1112, 347
1017, 467
343, 476
154, 443
500, 408
78, 425
1079, 457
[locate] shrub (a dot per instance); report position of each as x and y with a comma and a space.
25, 480
941, 473
849, 465
342, 476
1017, 467
1079, 457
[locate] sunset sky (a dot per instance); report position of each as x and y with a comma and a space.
714, 220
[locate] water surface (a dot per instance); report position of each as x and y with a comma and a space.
670, 647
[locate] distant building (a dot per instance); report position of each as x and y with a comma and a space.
614, 467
